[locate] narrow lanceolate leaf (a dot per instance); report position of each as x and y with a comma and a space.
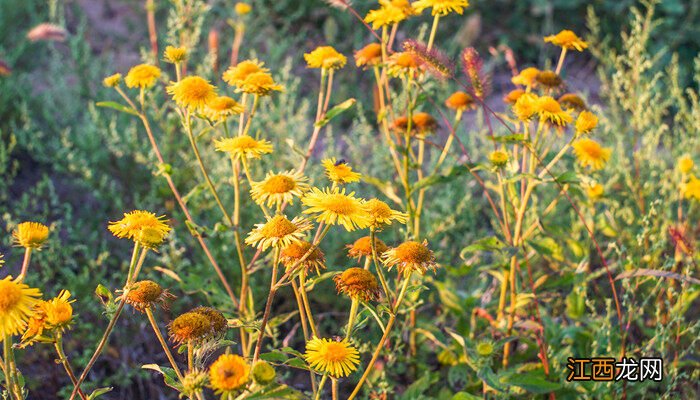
335, 111
452, 174
116, 106
514, 138
658, 274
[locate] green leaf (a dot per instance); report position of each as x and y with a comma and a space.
489, 244
335, 111
532, 381
487, 375
275, 392
465, 396
169, 375
568, 177
99, 392
454, 172
116, 106
514, 138
418, 388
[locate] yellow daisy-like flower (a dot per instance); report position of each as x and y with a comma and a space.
389, 13
58, 311
228, 373
17, 306
260, 83
441, 7
691, 189
362, 247
340, 172
526, 77
35, 327
595, 191
685, 164
338, 359
513, 96
567, 40
291, 256
30, 235
460, 101
243, 146
278, 232
279, 188
526, 106
112, 80
193, 92
358, 284
498, 158
550, 110
242, 8
325, 57
381, 214
175, 55
369, 55
586, 122
222, 107
403, 64
142, 227
410, 257
236, 75
591, 154
334, 207
142, 76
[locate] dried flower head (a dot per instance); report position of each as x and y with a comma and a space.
362, 247
336, 358
369, 55
278, 232
573, 101
142, 76
112, 80
549, 79
243, 147
292, 256
217, 322
279, 188
30, 235
586, 122
568, 40
228, 373
142, 227
175, 55
340, 172
358, 284
334, 207
144, 294
410, 257
192, 92
591, 154
190, 326
17, 305
325, 57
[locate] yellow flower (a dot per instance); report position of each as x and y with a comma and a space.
279, 188
685, 164
325, 57
410, 257
550, 110
591, 154
586, 122
228, 373
526, 106
567, 39
278, 232
35, 327
403, 64
58, 311
259, 83
573, 101
17, 305
498, 158
142, 227
381, 214
441, 7
526, 77
460, 101
513, 96
327, 356
112, 80
333, 207
236, 75
691, 190
242, 8
193, 92
222, 107
175, 55
339, 171
142, 76
358, 284
595, 191
390, 12
291, 256
30, 235
425, 123
362, 247
369, 55
243, 146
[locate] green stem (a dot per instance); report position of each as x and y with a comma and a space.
382, 280
320, 386
58, 345
268, 305
351, 318
433, 31
25, 263
163, 343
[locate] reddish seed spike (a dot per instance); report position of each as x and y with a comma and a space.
432, 60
